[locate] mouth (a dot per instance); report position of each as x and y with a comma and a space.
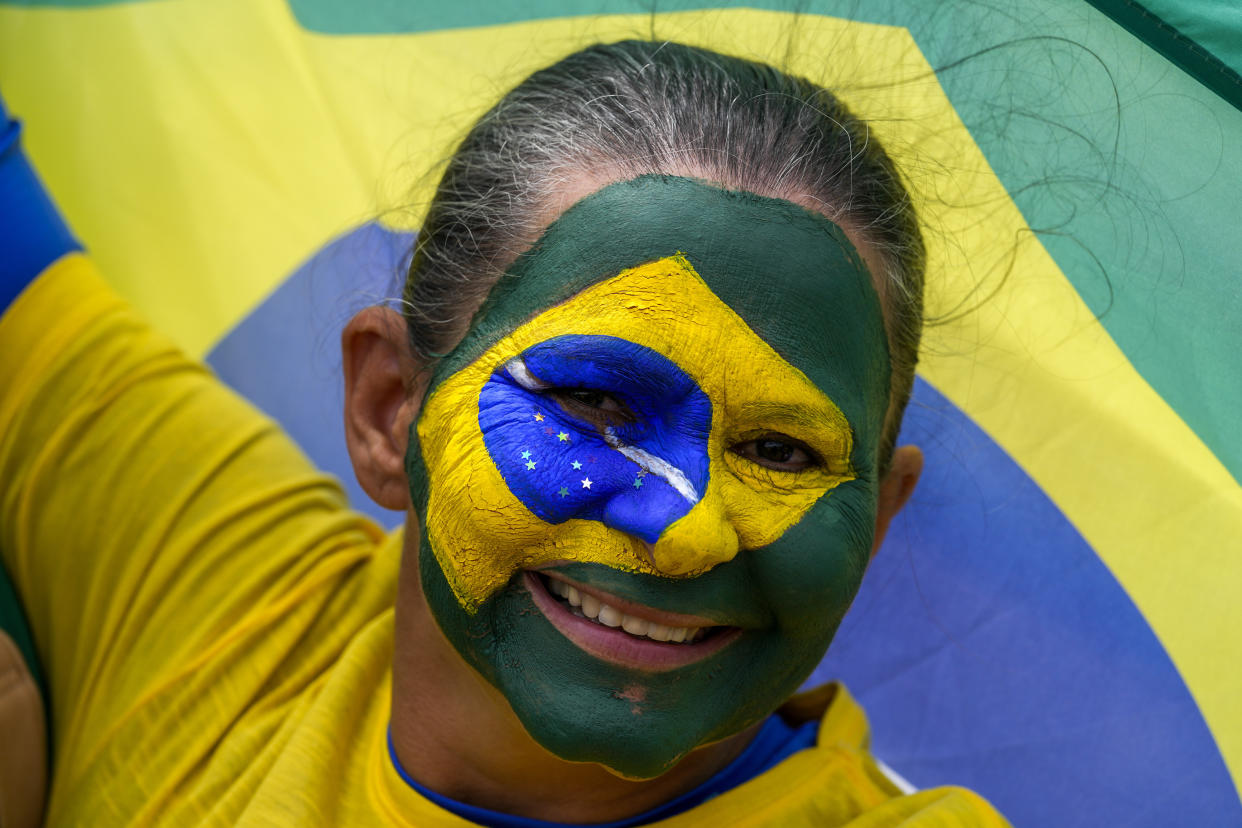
622, 632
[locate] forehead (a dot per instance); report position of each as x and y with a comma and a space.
790, 275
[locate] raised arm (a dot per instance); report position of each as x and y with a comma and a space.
171, 546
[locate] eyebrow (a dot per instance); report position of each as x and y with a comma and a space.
791, 413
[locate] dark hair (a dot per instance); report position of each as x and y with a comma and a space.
639, 107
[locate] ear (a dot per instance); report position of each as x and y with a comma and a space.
384, 389
896, 488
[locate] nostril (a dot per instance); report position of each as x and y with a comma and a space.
650, 549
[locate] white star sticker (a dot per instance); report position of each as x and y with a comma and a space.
586, 483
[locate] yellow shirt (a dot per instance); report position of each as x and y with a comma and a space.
216, 624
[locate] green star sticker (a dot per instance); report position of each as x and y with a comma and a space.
563, 437
530, 464
564, 491
638, 482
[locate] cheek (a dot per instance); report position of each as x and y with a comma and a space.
810, 575
475, 529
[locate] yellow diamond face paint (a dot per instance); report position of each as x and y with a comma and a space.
751, 391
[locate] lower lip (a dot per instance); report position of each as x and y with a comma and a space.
616, 645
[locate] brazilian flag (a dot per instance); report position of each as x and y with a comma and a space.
1056, 619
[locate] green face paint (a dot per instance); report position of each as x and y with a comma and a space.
494, 440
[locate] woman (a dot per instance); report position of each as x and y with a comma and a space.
640, 411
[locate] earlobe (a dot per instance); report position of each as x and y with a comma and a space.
896, 488
384, 387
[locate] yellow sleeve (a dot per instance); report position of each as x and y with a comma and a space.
173, 549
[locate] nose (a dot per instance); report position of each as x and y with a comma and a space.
701, 539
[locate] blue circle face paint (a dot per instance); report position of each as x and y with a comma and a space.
636, 471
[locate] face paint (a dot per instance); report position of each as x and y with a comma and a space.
600, 423
535, 479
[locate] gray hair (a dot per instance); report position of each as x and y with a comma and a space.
635, 107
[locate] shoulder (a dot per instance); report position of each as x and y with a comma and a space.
838, 783
948, 807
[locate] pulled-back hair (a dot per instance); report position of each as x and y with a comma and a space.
631, 108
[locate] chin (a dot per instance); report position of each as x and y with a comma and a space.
633, 707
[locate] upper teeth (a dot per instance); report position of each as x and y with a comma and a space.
593, 608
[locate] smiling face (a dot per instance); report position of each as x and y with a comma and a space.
647, 477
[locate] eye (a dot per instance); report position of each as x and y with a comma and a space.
778, 452
597, 407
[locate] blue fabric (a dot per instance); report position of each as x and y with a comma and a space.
775, 741
304, 317
980, 566
32, 232
562, 467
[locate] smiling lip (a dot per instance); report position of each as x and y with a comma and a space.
614, 644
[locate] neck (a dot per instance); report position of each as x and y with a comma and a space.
472, 748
